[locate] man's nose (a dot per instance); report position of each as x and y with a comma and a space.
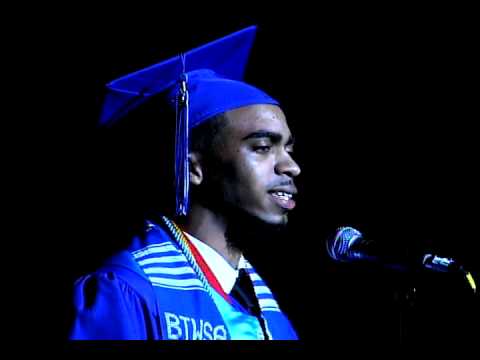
288, 166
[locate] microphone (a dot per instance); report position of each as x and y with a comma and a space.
349, 245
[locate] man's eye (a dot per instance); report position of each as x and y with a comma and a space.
262, 148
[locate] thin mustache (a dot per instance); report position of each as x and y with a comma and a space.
285, 183
288, 183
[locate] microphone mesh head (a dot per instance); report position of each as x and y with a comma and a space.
338, 247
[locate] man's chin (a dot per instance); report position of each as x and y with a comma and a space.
261, 218
274, 220
246, 229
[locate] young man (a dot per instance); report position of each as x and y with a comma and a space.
188, 278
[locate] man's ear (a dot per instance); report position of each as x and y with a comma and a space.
196, 171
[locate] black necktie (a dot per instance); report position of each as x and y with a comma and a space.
244, 293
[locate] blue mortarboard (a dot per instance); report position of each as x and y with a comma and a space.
199, 84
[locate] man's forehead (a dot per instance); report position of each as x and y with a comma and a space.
258, 118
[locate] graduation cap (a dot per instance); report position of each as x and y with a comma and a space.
199, 84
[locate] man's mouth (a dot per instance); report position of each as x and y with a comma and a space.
283, 199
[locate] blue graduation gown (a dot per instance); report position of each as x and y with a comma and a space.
120, 301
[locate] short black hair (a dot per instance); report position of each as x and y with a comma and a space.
202, 138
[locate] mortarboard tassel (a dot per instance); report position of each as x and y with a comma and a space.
182, 173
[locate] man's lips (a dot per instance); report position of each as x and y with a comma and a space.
283, 197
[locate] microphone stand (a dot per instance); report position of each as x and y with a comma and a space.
417, 328
405, 297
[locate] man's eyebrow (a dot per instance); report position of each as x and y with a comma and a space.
273, 136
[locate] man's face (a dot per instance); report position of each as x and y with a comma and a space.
256, 169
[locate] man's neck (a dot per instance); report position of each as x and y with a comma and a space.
210, 228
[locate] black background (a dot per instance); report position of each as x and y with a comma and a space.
382, 102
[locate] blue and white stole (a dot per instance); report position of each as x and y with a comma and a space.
189, 307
